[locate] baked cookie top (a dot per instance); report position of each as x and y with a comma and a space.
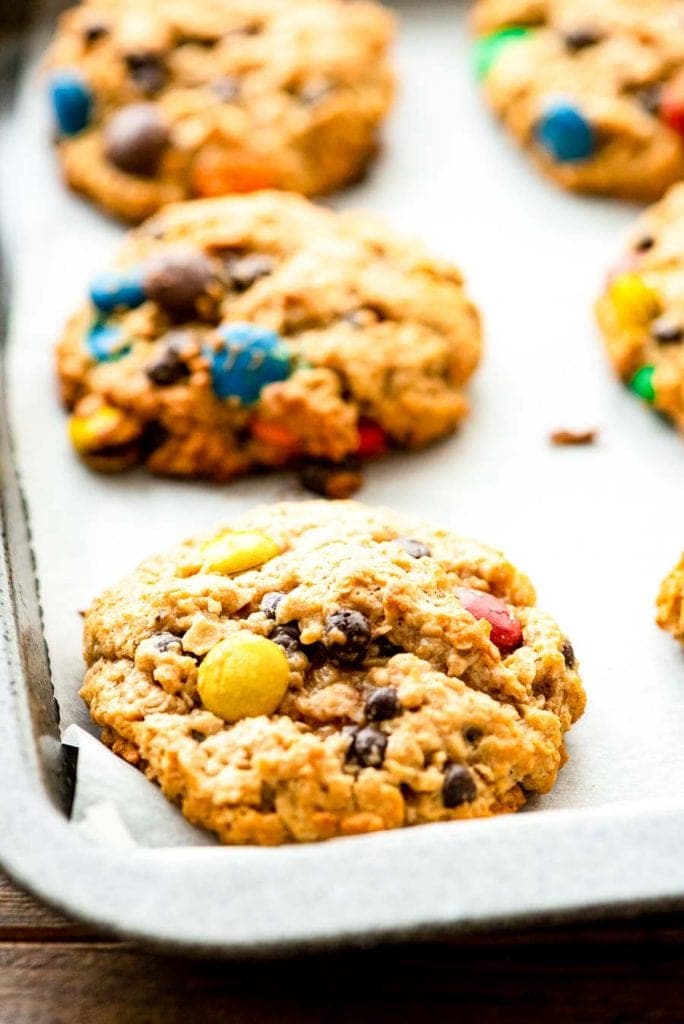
641, 312
595, 91
322, 668
263, 330
157, 102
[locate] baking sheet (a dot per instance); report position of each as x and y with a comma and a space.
595, 528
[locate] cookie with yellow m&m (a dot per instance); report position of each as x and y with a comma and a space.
641, 310
263, 331
320, 669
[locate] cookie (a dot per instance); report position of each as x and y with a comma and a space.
319, 669
641, 312
670, 604
263, 331
158, 102
593, 91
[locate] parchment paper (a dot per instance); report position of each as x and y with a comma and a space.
596, 528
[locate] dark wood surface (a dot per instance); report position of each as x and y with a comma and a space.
55, 972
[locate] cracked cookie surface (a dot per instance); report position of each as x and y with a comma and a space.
641, 312
158, 102
404, 675
264, 331
594, 92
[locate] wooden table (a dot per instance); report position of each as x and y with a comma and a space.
56, 972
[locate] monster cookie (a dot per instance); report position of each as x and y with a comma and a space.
670, 604
641, 312
318, 669
263, 331
594, 91
156, 102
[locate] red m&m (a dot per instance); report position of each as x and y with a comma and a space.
506, 632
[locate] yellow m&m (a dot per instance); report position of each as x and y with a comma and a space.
235, 552
635, 303
243, 676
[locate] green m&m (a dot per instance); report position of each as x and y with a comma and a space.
488, 48
642, 383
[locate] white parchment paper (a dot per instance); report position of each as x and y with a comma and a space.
596, 528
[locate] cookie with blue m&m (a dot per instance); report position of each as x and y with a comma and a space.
641, 309
155, 102
263, 331
594, 92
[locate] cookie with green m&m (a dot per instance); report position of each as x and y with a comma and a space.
594, 92
263, 331
641, 310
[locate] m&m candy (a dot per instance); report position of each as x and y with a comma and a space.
249, 357
565, 133
72, 102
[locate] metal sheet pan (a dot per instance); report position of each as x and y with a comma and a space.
596, 529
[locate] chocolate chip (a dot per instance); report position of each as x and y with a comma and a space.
154, 435
167, 642
287, 637
135, 138
147, 71
568, 653
226, 89
347, 636
645, 243
177, 280
94, 30
168, 368
458, 786
333, 480
414, 548
581, 37
650, 98
382, 704
383, 647
666, 333
244, 271
316, 653
368, 747
269, 603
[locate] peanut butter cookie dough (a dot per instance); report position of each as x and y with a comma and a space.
670, 605
263, 331
158, 102
594, 91
641, 312
319, 669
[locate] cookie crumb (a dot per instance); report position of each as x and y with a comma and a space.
562, 438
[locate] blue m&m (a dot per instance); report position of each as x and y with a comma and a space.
117, 290
249, 358
565, 133
105, 342
72, 101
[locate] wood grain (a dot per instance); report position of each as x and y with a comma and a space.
54, 972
